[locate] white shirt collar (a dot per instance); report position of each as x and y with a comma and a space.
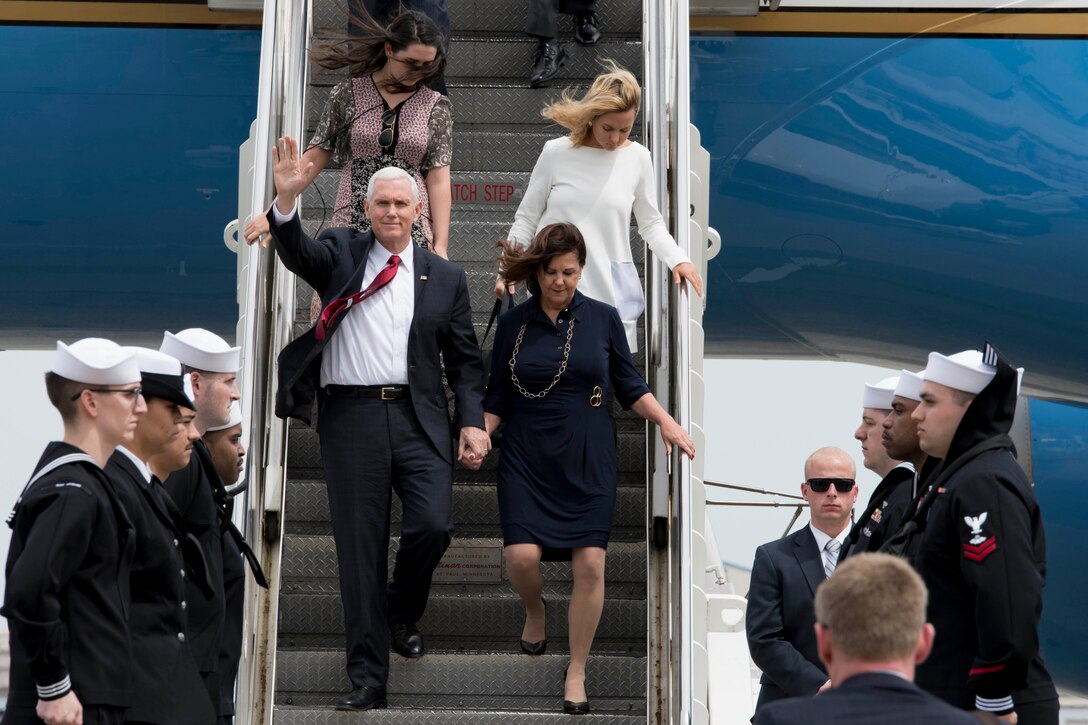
140, 465
822, 538
380, 255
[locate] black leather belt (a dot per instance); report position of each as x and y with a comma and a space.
380, 392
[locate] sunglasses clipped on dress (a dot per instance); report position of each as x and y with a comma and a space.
388, 133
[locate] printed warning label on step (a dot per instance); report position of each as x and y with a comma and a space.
470, 565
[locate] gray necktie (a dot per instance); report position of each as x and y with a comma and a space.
832, 548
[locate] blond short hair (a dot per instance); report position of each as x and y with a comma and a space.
614, 91
874, 606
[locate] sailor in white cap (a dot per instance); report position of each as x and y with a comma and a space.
876, 403
167, 687
900, 436
892, 497
215, 624
67, 573
225, 444
982, 551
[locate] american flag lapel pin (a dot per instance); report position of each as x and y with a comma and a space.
422, 278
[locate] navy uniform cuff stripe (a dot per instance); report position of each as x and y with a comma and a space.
56, 690
1000, 705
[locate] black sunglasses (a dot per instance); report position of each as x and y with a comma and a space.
820, 485
389, 125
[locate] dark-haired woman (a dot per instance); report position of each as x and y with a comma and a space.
384, 115
558, 359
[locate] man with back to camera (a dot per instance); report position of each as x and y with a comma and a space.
67, 573
785, 575
871, 631
392, 314
891, 500
167, 688
982, 551
215, 624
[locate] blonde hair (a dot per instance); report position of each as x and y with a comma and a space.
874, 606
615, 90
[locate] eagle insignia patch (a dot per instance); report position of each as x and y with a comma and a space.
979, 546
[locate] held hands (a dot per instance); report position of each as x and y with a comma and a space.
473, 448
687, 272
65, 710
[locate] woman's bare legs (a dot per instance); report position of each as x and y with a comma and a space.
586, 602
523, 568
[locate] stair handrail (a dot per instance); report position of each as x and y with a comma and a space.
266, 305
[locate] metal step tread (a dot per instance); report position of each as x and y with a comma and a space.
503, 675
476, 646
314, 557
479, 711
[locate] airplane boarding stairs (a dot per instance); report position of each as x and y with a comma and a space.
473, 671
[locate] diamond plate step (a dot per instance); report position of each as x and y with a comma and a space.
497, 711
314, 557
617, 17
456, 675
508, 59
475, 510
492, 619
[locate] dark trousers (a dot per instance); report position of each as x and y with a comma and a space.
369, 449
1038, 713
542, 18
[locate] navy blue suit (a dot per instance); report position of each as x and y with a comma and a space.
780, 617
371, 447
872, 697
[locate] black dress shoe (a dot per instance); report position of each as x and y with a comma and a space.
586, 31
576, 708
407, 641
363, 698
550, 57
536, 648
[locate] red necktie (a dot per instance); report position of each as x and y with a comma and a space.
340, 306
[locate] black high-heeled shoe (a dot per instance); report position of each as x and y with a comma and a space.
574, 708
536, 648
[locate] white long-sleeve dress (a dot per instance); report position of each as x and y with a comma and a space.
596, 190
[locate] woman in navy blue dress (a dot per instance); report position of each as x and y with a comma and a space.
558, 359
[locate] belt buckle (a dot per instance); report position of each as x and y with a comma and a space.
391, 391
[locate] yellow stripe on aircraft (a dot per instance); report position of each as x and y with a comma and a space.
118, 13
899, 23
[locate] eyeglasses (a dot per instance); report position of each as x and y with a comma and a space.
389, 128
133, 393
820, 485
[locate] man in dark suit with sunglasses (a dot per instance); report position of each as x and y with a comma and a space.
785, 574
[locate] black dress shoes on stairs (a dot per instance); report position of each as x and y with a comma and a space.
536, 648
363, 698
407, 640
586, 30
550, 57
574, 708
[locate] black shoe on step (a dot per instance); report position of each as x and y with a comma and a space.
586, 30
574, 708
536, 648
550, 57
363, 698
407, 640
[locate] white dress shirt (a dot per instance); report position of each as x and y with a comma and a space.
822, 539
371, 345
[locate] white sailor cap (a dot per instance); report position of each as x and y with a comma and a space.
880, 395
964, 371
910, 384
95, 361
198, 348
235, 418
161, 377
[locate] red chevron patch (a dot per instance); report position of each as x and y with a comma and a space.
981, 551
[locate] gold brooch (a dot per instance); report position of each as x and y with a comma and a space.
597, 397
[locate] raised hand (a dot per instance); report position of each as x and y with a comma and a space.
289, 172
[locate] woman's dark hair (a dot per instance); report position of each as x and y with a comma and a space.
554, 240
363, 51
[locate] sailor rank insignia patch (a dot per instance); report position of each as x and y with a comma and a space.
979, 547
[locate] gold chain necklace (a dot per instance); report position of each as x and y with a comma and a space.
562, 365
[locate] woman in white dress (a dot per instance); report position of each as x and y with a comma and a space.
594, 177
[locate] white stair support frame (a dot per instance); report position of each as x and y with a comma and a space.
731, 697
266, 303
